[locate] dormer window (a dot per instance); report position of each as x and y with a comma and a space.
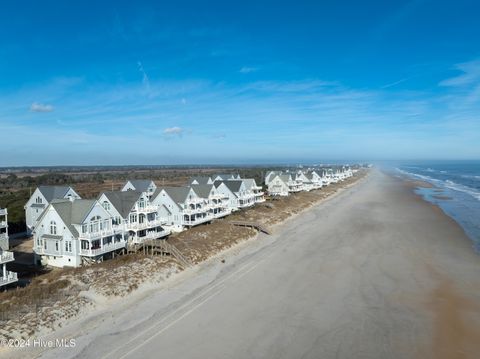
38, 200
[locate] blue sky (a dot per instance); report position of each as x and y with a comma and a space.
246, 82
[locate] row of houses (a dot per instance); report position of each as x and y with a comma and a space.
6, 256
282, 183
70, 231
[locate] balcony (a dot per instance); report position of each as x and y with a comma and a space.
197, 220
135, 226
103, 249
3, 212
191, 211
3, 237
99, 234
6, 256
221, 214
3, 224
11, 277
150, 236
147, 209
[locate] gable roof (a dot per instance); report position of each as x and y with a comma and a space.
199, 179
123, 201
177, 194
232, 185
73, 212
53, 192
202, 190
141, 185
285, 178
249, 183
226, 176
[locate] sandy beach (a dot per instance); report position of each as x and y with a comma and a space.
373, 272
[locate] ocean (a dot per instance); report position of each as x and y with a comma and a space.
456, 191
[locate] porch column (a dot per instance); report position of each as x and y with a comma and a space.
4, 270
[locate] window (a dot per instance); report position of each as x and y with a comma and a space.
38, 200
53, 228
95, 224
141, 203
56, 246
69, 246
66, 246
84, 228
106, 205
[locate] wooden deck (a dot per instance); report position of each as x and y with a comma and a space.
258, 226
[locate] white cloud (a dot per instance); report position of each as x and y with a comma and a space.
247, 70
40, 107
173, 131
471, 74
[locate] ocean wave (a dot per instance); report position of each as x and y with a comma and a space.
471, 177
462, 188
445, 183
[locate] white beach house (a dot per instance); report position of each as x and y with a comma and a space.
133, 212
242, 197
41, 198
76, 232
6, 256
181, 206
278, 185
216, 201
257, 191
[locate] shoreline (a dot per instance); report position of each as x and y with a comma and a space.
425, 190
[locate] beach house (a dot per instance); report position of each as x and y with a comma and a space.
6, 256
181, 206
41, 198
133, 212
76, 232
279, 185
242, 197
257, 191
216, 201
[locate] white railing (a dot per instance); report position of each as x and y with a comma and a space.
196, 221
195, 200
151, 235
3, 236
6, 256
222, 213
3, 212
189, 211
10, 278
3, 223
147, 209
147, 224
103, 249
99, 234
